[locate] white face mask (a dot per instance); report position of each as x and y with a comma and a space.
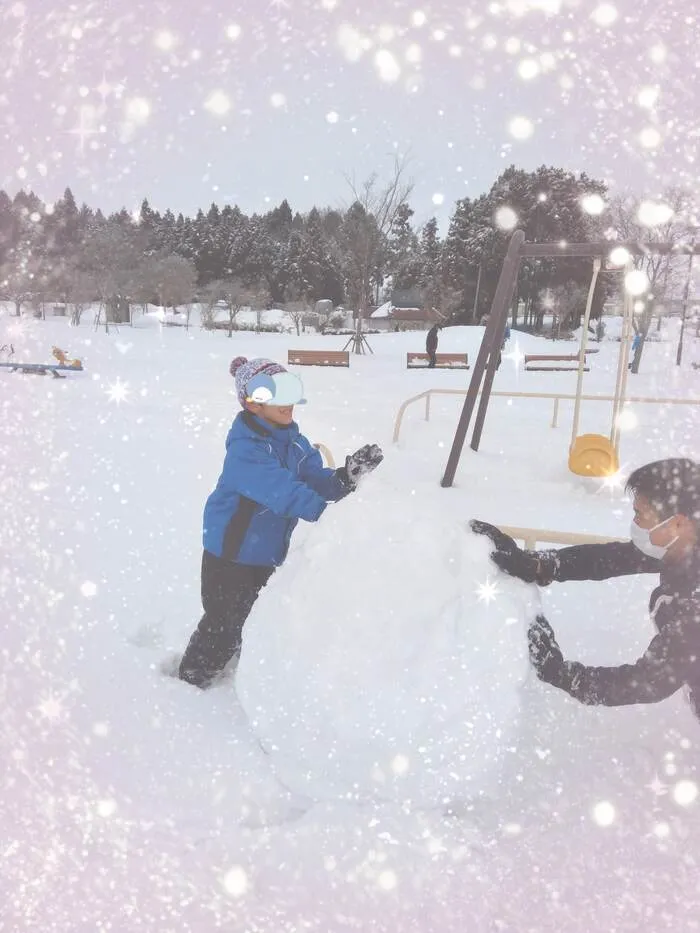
641, 539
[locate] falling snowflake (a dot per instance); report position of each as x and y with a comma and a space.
685, 793
487, 592
605, 14
50, 708
604, 813
619, 256
118, 391
650, 137
521, 128
218, 103
138, 110
593, 204
647, 97
528, 69
505, 218
235, 881
652, 213
106, 808
414, 53
387, 65
165, 40
636, 282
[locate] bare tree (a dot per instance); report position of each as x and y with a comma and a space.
675, 212
74, 286
176, 279
110, 255
237, 295
364, 233
20, 283
296, 309
209, 297
568, 303
82, 292
678, 214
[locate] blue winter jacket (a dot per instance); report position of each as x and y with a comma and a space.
271, 478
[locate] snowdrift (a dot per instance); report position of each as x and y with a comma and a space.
384, 660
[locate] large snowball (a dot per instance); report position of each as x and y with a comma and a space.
379, 662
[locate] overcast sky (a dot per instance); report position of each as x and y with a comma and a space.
250, 102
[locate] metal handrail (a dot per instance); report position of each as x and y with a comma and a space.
326, 454
555, 396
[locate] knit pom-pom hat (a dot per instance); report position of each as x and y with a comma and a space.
243, 370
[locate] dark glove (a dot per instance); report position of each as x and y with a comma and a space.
529, 566
545, 653
363, 461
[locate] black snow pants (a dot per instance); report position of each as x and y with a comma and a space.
228, 593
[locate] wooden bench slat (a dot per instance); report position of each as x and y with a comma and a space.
318, 358
442, 361
555, 369
556, 358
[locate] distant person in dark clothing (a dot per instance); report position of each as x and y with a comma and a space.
431, 344
665, 539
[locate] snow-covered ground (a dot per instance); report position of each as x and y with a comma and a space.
131, 801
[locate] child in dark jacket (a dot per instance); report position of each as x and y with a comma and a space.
272, 476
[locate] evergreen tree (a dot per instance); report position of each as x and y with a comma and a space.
402, 255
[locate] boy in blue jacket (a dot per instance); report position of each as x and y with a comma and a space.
272, 476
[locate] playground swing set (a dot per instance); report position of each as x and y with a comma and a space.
591, 455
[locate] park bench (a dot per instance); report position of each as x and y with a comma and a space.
318, 358
442, 361
552, 362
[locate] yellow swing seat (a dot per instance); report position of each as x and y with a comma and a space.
593, 455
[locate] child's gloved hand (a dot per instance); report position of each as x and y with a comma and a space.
545, 653
363, 461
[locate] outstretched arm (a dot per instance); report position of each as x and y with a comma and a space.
327, 482
659, 672
581, 562
251, 471
601, 561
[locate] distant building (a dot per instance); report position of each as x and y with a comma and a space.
389, 317
403, 311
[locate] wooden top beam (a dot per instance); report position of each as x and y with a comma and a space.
592, 250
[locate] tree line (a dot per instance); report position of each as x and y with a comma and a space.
222, 257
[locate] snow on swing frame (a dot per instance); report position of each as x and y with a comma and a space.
589, 455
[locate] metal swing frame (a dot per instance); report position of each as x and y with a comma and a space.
487, 358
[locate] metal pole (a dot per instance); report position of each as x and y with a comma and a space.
476, 296
622, 364
582, 349
686, 292
508, 275
499, 311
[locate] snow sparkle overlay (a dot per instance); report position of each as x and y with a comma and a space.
606, 86
137, 102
